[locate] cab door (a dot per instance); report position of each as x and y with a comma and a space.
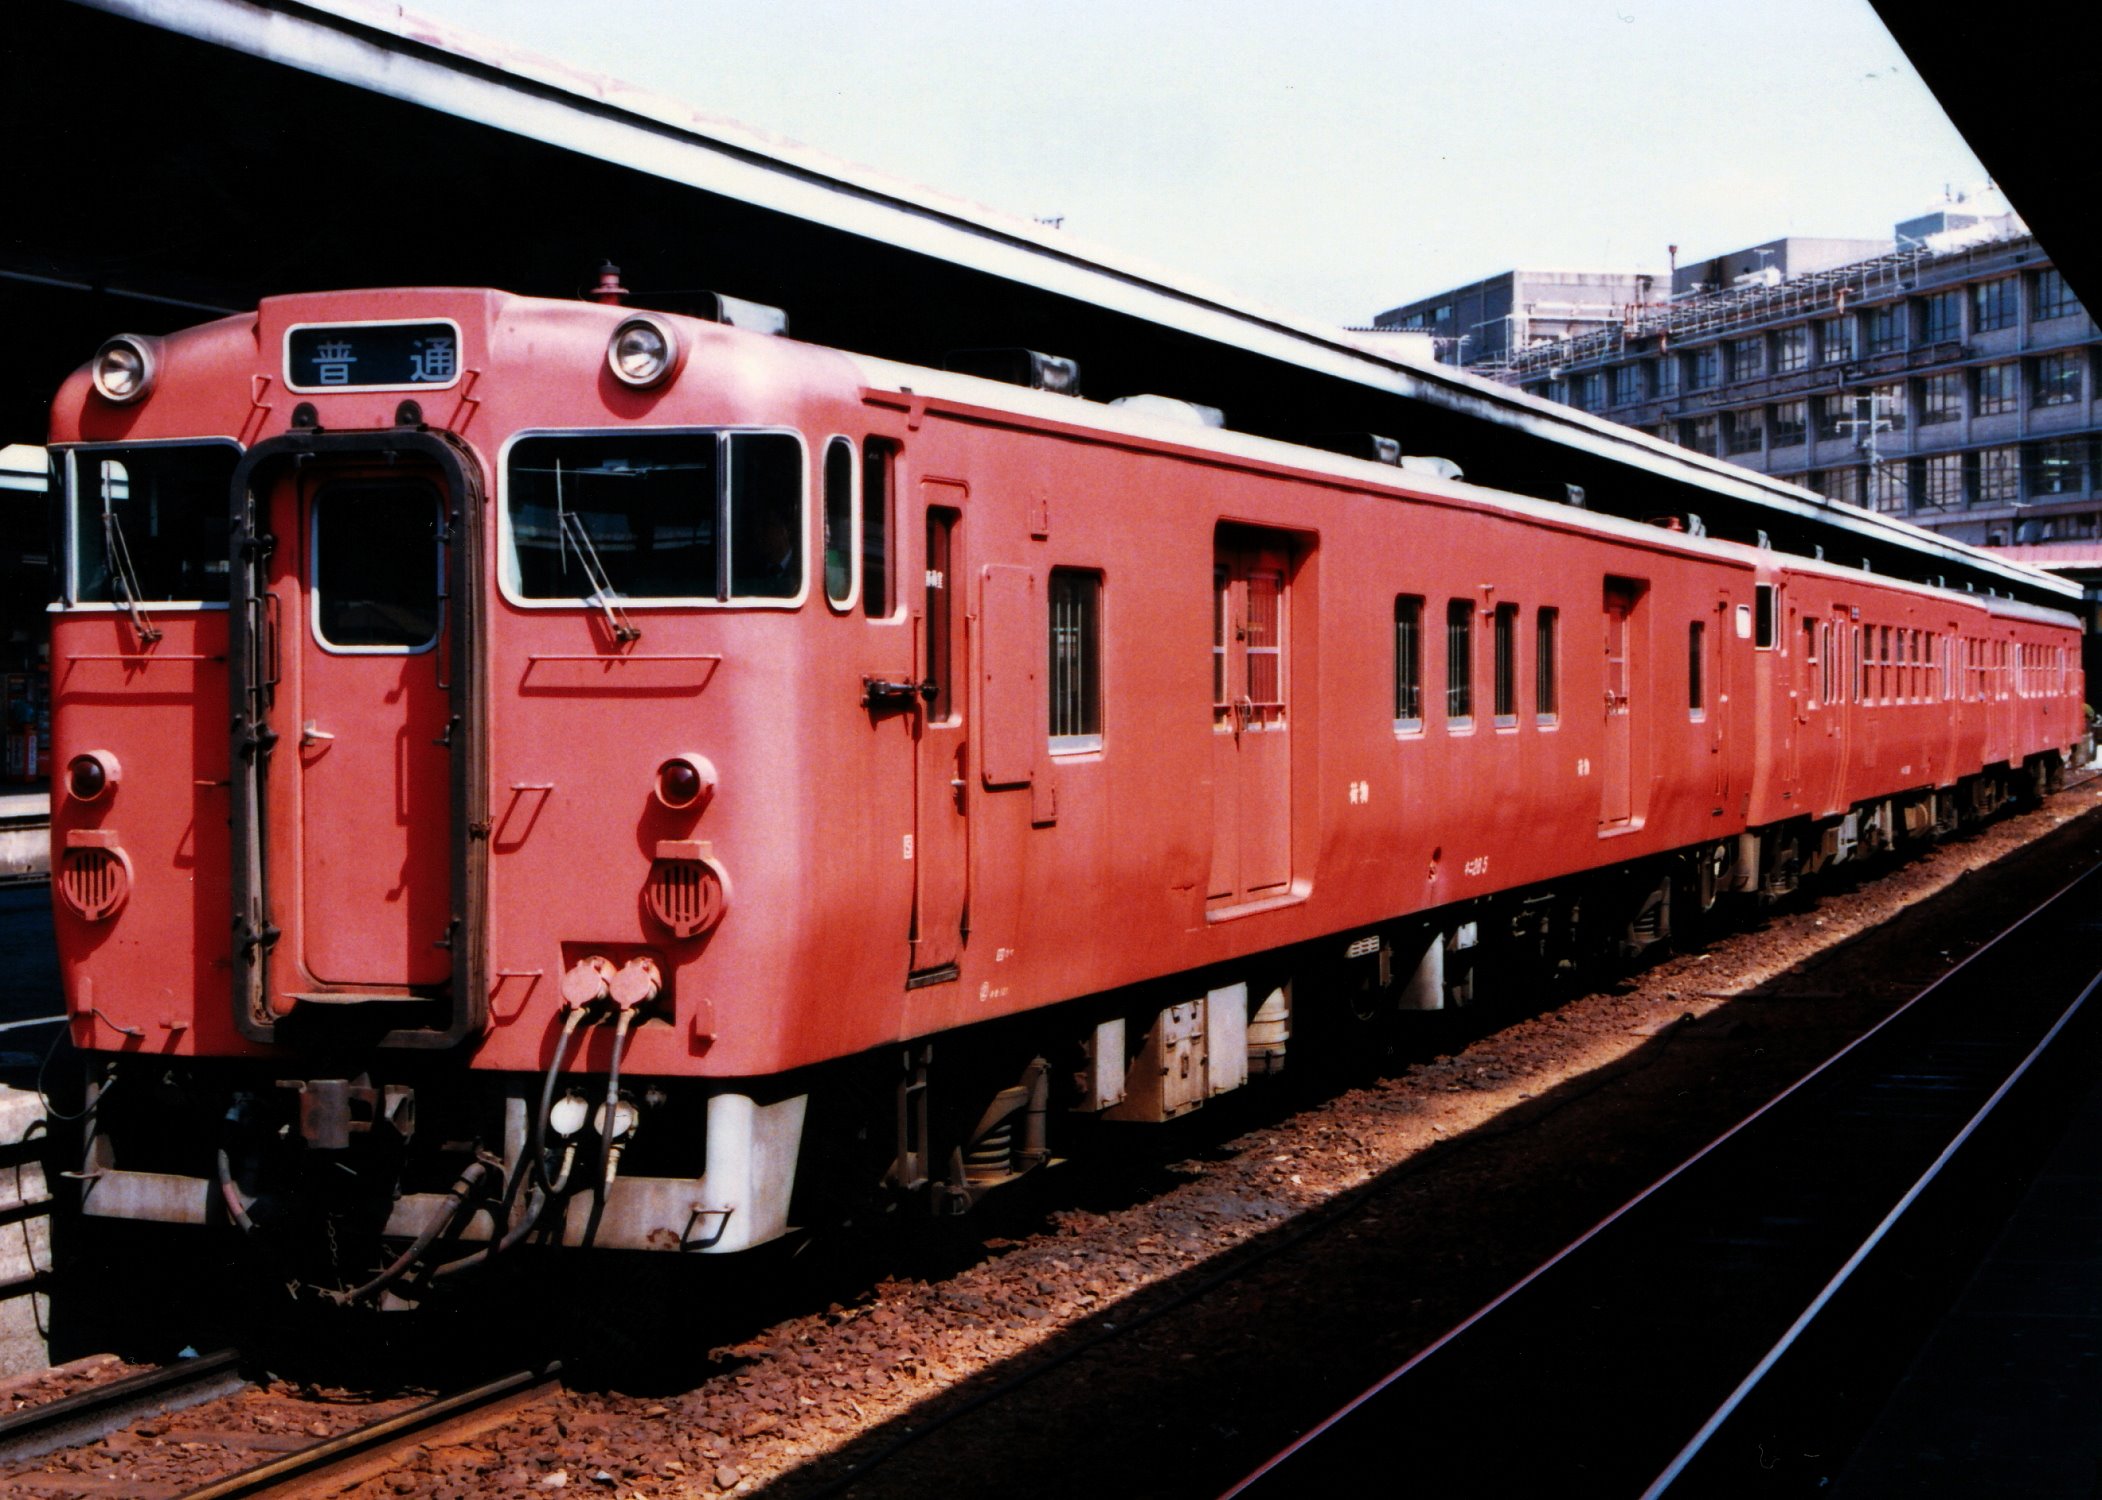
373, 774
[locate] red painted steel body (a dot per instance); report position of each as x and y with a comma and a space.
1252, 785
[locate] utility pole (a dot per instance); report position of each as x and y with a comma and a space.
1864, 430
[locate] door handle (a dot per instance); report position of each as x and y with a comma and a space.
310, 735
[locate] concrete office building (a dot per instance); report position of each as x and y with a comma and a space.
1481, 325
1950, 380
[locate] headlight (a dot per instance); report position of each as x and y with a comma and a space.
124, 368
643, 352
685, 781
90, 774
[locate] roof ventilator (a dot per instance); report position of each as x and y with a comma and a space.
1026, 367
1172, 409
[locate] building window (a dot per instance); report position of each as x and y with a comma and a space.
1076, 660
1591, 391
1408, 662
1792, 349
1745, 431
1835, 340
1886, 328
1941, 317
1999, 476
1459, 661
1506, 685
2058, 378
1627, 384
2061, 468
1886, 408
1999, 389
1747, 358
1888, 486
1667, 377
1833, 414
2050, 297
1789, 422
1941, 398
1545, 699
1941, 480
1993, 305
1841, 484
1696, 689
1703, 368
1699, 435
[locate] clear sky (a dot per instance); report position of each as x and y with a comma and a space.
1330, 157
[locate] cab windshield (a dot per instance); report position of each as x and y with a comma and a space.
149, 524
664, 516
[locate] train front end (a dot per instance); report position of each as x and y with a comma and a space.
430, 667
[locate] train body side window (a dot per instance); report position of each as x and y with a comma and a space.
1408, 661
1076, 660
1696, 685
1459, 663
1546, 694
839, 523
1763, 626
1860, 670
877, 459
1506, 684
1883, 664
1811, 665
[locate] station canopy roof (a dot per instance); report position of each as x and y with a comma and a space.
176, 159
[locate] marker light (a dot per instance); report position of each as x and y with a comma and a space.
642, 352
90, 774
685, 781
124, 367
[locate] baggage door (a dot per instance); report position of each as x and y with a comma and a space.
1251, 719
941, 854
1616, 755
374, 776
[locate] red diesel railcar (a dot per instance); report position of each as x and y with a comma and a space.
584, 769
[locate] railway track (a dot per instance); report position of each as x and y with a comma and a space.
95, 1413
1729, 1330
130, 1412
334, 1464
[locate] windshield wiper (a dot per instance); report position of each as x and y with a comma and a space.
124, 577
569, 528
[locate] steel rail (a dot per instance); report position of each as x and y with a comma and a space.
373, 1441
1699, 1441
100, 1410
1328, 1425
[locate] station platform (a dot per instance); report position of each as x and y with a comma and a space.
25, 832
2005, 1400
